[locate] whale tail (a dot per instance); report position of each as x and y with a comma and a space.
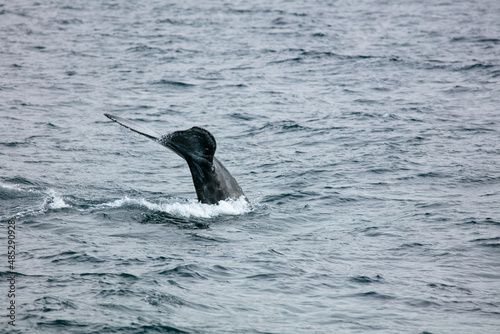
212, 181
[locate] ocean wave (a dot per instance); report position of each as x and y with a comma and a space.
37, 201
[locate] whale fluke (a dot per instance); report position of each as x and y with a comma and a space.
212, 181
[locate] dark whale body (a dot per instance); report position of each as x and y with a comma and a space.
212, 181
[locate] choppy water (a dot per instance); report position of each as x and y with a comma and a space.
366, 135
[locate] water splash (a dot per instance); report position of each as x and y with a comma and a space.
37, 201
54, 201
187, 209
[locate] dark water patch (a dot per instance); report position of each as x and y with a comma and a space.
347, 200
161, 217
385, 89
468, 39
329, 54
281, 199
470, 222
318, 54
71, 257
411, 245
488, 40
60, 324
477, 129
373, 295
431, 64
171, 83
170, 21
432, 175
116, 292
360, 114
366, 279
205, 238
21, 180
458, 89
459, 39
293, 60
241, 10
38, 47
38, 224
380, 233
381, 170
447, 287
495, 74
422, 303
145, 49
242, 68
411, 249
69, 7
52, 125
279, 21
268, 276
48, 304
280, 127
486, 221
68, 21
127, 276
368, 229
66, 253
140, 329
319, 34
228, 86
7, 274
479, 180
375, 231
158, 299
243, 116
126, 262
367, 101
184, 271
488, 242
477, 66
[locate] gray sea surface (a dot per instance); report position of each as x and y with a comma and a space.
365, 134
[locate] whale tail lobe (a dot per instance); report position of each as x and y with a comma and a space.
195, 143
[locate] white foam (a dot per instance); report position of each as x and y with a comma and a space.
11, 186
53, 201
188, 209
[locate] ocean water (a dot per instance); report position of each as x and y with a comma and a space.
365, 134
